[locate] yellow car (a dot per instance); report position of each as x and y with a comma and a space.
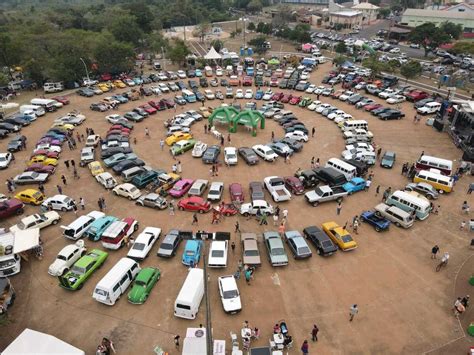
205, 111
167, 181
340, 236
177, 136
104, 87
31, 196
42, 159
119, 84
66, 126
95, 168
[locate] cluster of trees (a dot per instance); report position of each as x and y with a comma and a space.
429, 36
300, 33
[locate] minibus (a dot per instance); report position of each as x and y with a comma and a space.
427, 162
348, 170
77, 228
190, 296
410, 203
351, 125
38, 110
440, 182
47, 104
114, 284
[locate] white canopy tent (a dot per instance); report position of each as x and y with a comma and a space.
33, 342
212, 54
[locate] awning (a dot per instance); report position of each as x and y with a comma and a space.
26, 240
212, 54
33, 342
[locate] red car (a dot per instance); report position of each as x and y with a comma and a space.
40, 168
372, 107
247, 81
274, 81
294, 185
277, 96
160, 106
416, 95
227, 209
167, 102
194, 204
236, 192
149, 109
295, 100
47, 153
116, 132
286, 98
120, 127
62, 99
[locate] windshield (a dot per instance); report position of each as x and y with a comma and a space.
230, 294
61, 257
140, 283
278, 251
189, 253
251, 252
217, 254
346, 238
77, 270
139, 246
327, 244
21, 226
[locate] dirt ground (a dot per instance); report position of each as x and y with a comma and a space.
405, 306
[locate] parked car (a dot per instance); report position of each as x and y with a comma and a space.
127, 190
211, 155
257, 205
66, 258
215, 191
265, 152
324, 245
170, 244
10, 207
340, 236
388, 160
248, 155
275, 248
298, 245
250, 252
192, 252
181, 187
30, 177
143, 284
59, 203
194, 204
229, 293
82, 269
143, 243
152, 200
30, 196
374, 219
236, 192
423, 188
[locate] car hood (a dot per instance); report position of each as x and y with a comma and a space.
137, 294
232, 304
55, 267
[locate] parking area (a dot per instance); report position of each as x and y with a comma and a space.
404, 305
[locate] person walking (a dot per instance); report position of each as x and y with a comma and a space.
73, 163
355, 226
281, 229
179, 167
273, 136
285, 213
195, 219
75, 175
74, 208
176, 341
379, 152
465, 207
352, 312
60, 189
434, 251
248, 275
470, 188
162, 144
232, 246
275, 219
171, 208
205, 129
99, 203
367, 185
312, 163
377, 190
41, 188
237, 227
66, 162
63, 178
263, 219
82, 203
314, 332
305, 347
339, 208
147, 132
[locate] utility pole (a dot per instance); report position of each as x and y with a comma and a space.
85, 67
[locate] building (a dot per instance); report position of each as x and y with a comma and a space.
417, 17
463, 7
306, 2
369, 12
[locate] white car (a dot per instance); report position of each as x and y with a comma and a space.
38, 220
304, 75
335, 114
48, 147
396, 99
387, 93
248, 94
143, 243
313, 105
352, 153
297, 136
163, 87
363, 146
59, 203
114, 118
219, 72
395, 50
155, 89
251, 208
230, 295
311, 89
106, 180
5, 160
127, 190
209, 94
342, 118
230, 155
265, 152
177, 128
218, 254
215, 191
181, 74
239, 94
66, 258
268, 95
319, 90
322, 107
271, 112
199, 149
346, 95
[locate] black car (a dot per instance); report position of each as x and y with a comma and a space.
192, 84
324, 245
248, 155
199, 96
308, 178
203, 82
170, 243
98, 107
191, 73
141, 112
3, 133
391, 115
114, 150
9, 127
16, 144
20, 121
211, 154
293, 144
379, 111
181, 85
224, 82
127, 164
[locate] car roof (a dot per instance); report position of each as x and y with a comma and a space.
228, 282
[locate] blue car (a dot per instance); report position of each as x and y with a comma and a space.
379, 223
259, 94
192, 252
98, 227
356, 184
120, 98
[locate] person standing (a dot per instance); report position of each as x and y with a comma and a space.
176, 341
352, 312
314, 332
434, 251
377, 190
237, 227
470, 188
305, 347
147, 132
312, 163
355, 226
379, 152
66, 162
162, 144
465, 207
232, 246
63, 178
313, 131
60, 189
73, 163
281, 229
338, 208
99, 203
171, 208
179, 167
275, 219
285, 213
82, 203
367, 185
195, 219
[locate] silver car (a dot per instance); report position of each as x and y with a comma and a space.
275, 248
423, 188
152, 200
30, 177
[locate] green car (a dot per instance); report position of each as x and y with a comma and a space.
75, 278
144, 282
305, 101
182, 146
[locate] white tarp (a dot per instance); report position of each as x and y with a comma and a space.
33, 342
359, 43
26, 240
212, 54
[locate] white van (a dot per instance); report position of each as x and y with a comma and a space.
38, 110
344, 168
53, 87
351, 125
114, 284
409, 203
430, 107
47, 104
396, 215
79, 226
190, 297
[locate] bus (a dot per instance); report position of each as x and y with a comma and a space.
410, 203
189, 96
440, 182
427, 162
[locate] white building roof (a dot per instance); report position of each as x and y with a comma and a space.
346, 13
365, 6
438, 14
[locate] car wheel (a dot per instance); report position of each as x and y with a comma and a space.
377, 229
397, 224
20, 211
129, 198
55, 221
201, 211
65, 271
80, 286
115, 193
63, 209
316, 203
246, 214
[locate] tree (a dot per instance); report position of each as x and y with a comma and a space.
463, 47
143, 15
125, 29
260, 27
217, 44
202, 29
384, 12
374, 64
254, 6
258, 43
411, 70
4, 80
429, 36
122, 59
453, 30
338, 60
341, 48
251, 26
178, 52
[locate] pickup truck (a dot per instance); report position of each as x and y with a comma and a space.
356, 184
378, 222
325, 193
11, 207
277, 189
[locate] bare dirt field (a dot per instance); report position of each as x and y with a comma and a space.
405, 306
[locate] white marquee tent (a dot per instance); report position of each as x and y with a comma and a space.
212, 54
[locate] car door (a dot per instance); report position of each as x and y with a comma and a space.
292, 245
